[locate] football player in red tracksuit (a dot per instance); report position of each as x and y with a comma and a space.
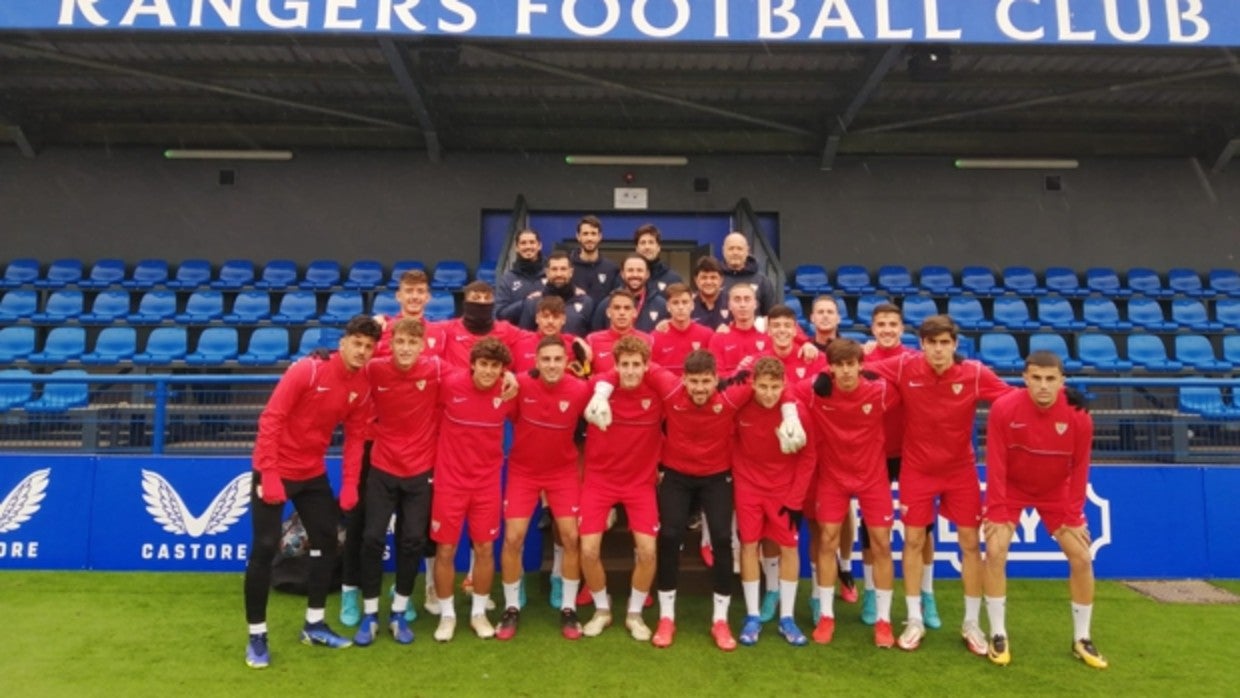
848, 418
412, 294
674, 339
621, 310
742, 338
311, 399
543, 460
1038, 448
549, 320
770, 487
940, 393
468, 461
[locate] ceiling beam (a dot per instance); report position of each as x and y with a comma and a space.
400, 69
875, 70
1225, 155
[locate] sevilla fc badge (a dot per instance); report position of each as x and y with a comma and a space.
957, 387
421, 385
563, 405
867, 408
1061, 427
495, 402
646, 404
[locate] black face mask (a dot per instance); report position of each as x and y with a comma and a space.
477, 317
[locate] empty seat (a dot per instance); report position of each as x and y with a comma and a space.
163, 346
1022, 281
853, 279
916, 309
1148, 352
1147, 282
63, 344
1064, 281
202, 307
108, 306
1191, 313
450, 275
234, 274
1197, 352
1013, 313
191, 274
17, 393
62, 305
999, 351
1231, 348
216, 345
58, 397
321, 274
486, 271
249, 307
147, 274
980, 281
1057, 313
441, 306
1097, 350
965, 346
967, 312
364, 275
1187, 282
896, 279
937, 280
319, 338
1227, 312
1045, 341
341, 307
1225, 282
1105, 280
18, 304
1148, 313
16, 343
399, 269
104, 273
1206, 401
61, 273
296, 307
385, 304
112, 346
865, 308
155, 307
811, 279
268, 345
20, 272
912, 341
278, 274
1102, 314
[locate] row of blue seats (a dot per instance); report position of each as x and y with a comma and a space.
234, 274
852, 279
1099, 352
164, 345
205, 306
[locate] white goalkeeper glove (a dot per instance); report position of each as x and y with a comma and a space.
790, 432
598, 411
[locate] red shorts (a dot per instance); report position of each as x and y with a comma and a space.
874, 497
811, 493
521, 495
597, 499
1054, 513
959, 495
758, 517
450, 508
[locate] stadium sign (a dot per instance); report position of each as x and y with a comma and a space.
1088, 22
45, 518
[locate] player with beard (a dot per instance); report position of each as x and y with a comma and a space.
649, 308
578, 307
592, 272
523, 278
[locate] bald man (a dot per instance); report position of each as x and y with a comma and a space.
739, 267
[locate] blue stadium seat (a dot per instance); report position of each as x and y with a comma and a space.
1013, 313
1196, 351
811, 279
853, 279
104, 273
1187, 282
1064, 281
216, 345
399, 269
980, 281
1231, 348
1057, 313
191, 274
966, 347
1102, 314
59, 397
1206, 401
1227, 313
999, 351
912, 341
163, 346
15, 394
450, 275
249, 307
319, 338
1044, 341
296, 307
364, 275
268, 345
1148, 313
147, 274
108, 307
486, 271
967, 312
63, 344
20, 272
385, 304
234, 274
865, 308
917, 308
202, 307
155, 307
896, 279
937, 280
1022, 281
65, 304
1191, 313
341, 307
113, 345
278, 274
1097, 351
18, 304
1147, 282
61, 273
441, 306
1147, 351
1225, 282
1105, 280
321, 274
16, 343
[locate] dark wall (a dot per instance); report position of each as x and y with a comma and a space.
351, 205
